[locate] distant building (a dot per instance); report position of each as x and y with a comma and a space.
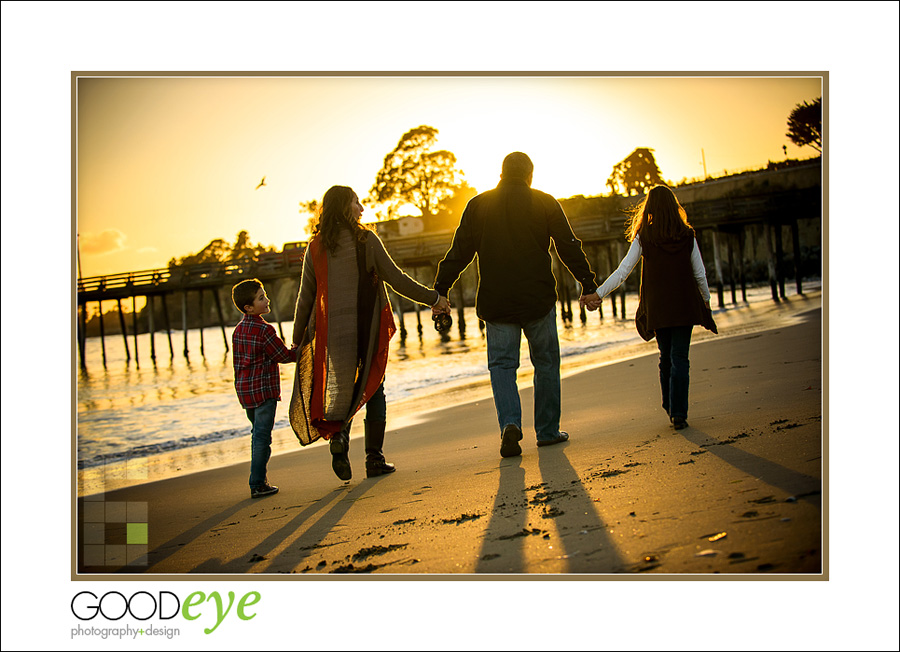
400, 227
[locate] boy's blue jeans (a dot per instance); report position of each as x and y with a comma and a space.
263, 419
674, 368
503, 343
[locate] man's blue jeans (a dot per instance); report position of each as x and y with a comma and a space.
674, 368
263, 419
503, 344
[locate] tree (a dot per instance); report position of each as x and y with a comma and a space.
243, 248
635, 174
215, 252
311, 210
805, 124
415, 173
219, 251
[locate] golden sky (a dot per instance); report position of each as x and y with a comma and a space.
166, 164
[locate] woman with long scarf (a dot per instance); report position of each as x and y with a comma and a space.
343, 325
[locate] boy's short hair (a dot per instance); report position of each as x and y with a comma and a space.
245, 292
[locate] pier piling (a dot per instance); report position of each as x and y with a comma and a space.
102, 333
795, 237
184, 321
151, 327
124, 330
168, 327
720, 289
134, 327
779, 260
222, 318
82, 333
731, 274
200, 303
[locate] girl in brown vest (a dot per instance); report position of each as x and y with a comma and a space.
674, 292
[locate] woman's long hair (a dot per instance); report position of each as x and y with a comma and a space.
335, 215
659, 218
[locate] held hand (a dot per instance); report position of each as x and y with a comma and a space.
590, 301
443, 305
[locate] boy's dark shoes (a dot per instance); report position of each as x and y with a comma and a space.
679, 423
263, 490
509, 441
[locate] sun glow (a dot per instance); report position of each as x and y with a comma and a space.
170, 164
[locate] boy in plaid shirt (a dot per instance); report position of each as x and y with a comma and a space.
256, 352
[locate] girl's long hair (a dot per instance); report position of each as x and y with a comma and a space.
659, 218
335, 215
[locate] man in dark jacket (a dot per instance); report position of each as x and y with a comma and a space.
509, 229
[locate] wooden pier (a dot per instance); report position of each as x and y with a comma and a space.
740, 222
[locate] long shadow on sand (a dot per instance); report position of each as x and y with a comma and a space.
803, 486
311, 540
175, 544
583, 538
521, 512
302, 547
507, 523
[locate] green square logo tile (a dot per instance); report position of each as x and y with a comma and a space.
136, 534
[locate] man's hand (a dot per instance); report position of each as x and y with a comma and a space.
590, 301
442, 305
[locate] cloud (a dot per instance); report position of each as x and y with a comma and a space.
105, 242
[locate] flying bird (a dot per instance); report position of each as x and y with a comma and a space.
261, 184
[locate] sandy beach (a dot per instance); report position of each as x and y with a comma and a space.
739, 492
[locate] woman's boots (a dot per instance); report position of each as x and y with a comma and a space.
375, 462
340, 449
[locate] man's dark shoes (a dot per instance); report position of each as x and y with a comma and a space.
680, 423
561, 437
340, 460
509, 441
263, 490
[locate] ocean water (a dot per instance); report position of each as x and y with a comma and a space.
177, 407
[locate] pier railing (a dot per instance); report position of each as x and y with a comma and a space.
725, 214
